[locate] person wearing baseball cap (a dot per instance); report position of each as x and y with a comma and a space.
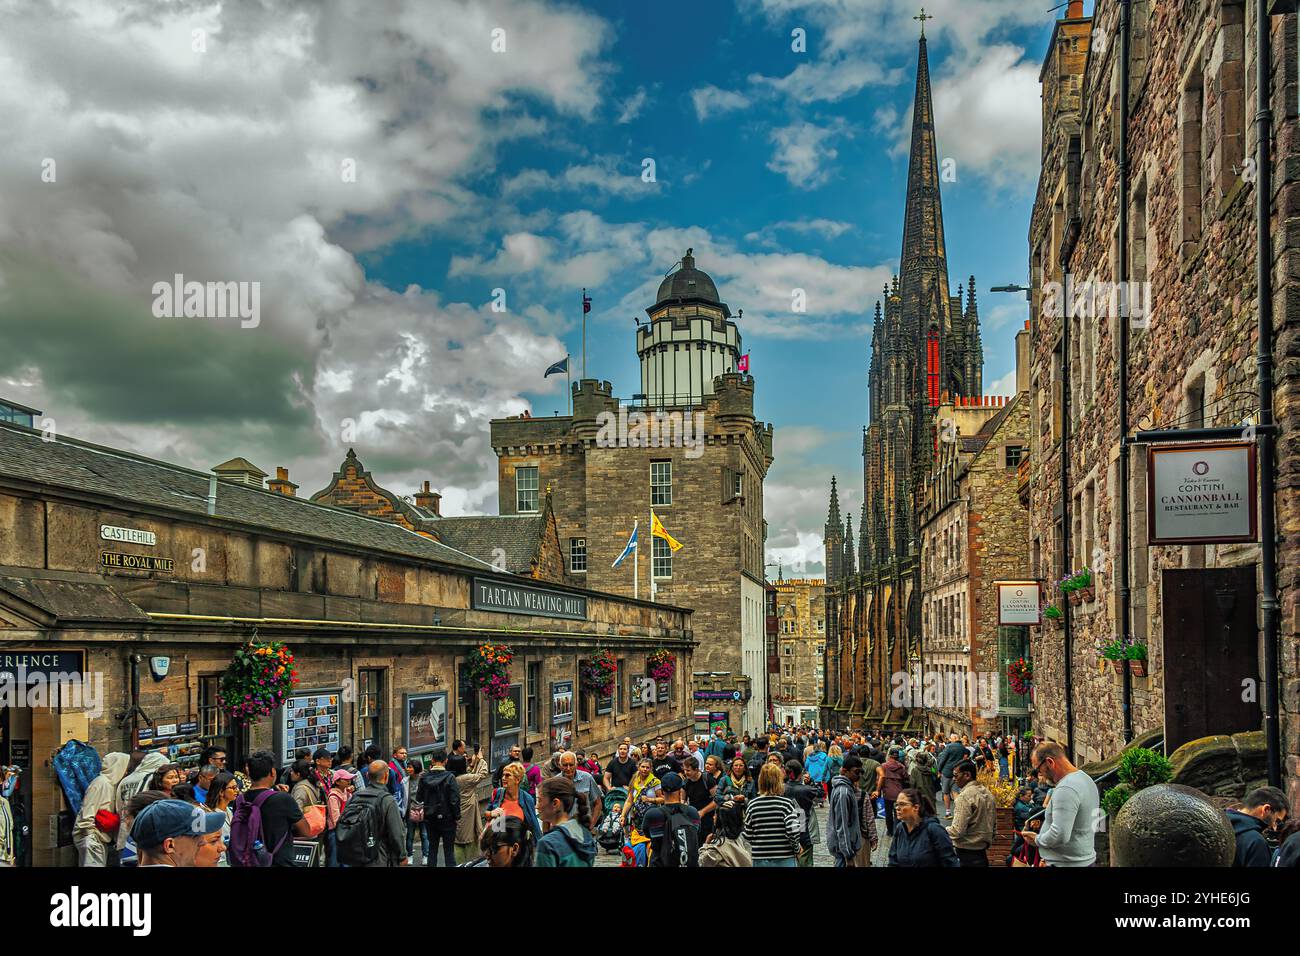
176, 833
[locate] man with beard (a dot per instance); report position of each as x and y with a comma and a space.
664, 762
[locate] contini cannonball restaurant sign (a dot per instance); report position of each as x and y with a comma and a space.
1201, 494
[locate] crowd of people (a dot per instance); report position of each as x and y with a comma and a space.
713, 801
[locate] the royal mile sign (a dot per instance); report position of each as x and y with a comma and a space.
521, 599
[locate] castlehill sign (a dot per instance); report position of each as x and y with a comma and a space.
1201, 494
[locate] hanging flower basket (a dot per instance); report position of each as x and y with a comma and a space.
489, 670
598, 674
661, 664
1051, 612
1138, 668
259, 678
1020, 675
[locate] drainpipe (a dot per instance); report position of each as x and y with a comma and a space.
1264, 359
1125, 593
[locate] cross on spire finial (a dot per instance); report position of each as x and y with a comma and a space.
923, 16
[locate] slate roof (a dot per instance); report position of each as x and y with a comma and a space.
72, 600
135, 480
519, 536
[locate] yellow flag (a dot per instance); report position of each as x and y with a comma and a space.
657, 531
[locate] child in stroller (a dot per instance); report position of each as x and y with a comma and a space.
610, 832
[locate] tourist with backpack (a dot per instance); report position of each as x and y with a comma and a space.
673, 827
265, 819
439, 792
371, 833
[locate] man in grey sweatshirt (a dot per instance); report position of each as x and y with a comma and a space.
1073, 810
843, 826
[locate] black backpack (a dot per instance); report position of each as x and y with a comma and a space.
441, 800
680, 844
357, 833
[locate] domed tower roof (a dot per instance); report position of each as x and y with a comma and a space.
688, 283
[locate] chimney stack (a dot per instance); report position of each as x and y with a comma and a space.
429, 500
281, 484
1075, 10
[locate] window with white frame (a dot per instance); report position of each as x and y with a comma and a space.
661, 482
526, 489
578, 555
662, 559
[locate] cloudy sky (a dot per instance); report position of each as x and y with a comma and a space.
379, 168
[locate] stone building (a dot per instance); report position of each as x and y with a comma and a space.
801, 648
925, 345
1190, 318
972, 536
527, 544
138, 580
687, 446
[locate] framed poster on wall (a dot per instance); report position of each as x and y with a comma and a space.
425, 721
508, 712
307, 720
561, 702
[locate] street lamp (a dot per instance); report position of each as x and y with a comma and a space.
1027, 290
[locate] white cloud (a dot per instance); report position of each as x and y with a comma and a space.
803, 153
229, 165
825, 228
632, 106
710, 101
520, 252
603, 176
1006, 385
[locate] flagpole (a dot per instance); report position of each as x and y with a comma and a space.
636, 566
652, 553
568, 381
584, 333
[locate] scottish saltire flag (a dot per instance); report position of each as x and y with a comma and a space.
657, 530
630, 547
560, 367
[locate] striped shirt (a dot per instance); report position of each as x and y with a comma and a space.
772, 827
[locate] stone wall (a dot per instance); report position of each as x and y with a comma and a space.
1193, 238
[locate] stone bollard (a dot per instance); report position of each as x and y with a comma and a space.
1171, 825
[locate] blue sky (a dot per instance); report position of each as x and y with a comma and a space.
520, 169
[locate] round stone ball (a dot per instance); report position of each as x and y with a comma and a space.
1171, 825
